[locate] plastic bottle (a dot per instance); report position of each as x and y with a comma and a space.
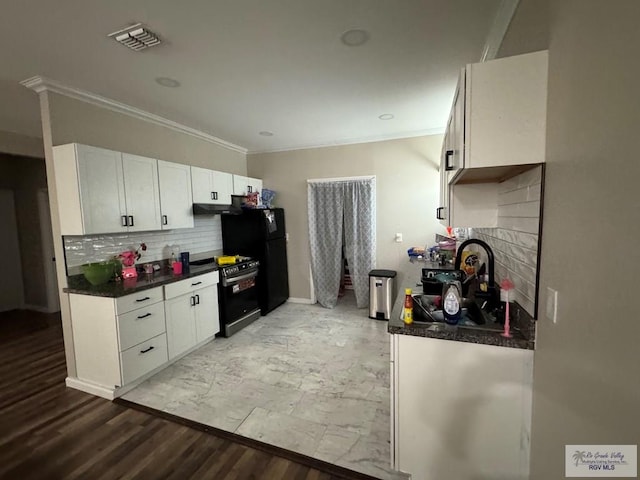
451, 300
407, 311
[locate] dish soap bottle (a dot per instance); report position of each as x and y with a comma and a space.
451, 300
407, 310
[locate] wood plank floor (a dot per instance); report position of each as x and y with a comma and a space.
49, 431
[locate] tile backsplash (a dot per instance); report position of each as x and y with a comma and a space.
204, 237
515, 240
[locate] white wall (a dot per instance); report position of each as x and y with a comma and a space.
407, 183
16, 144
586, 383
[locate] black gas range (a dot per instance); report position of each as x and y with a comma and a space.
237, 293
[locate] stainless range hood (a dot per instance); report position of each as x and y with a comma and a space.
212, 209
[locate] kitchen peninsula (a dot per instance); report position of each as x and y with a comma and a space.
460, 398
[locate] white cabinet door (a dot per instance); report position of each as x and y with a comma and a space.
102, 190
506, 111
442, 213
211, 186
207, 320
240, 185
222, 187
142, 192
181, 331
481, 404
202, 185
176, 202
457, 126
243, 185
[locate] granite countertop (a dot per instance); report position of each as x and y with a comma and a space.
78, 284
523, 326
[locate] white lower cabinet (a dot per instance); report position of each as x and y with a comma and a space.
181, 326
460, 410
191, 309
117, 341
143, 358
111, 337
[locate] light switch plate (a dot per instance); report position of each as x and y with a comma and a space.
398, 238
552, 305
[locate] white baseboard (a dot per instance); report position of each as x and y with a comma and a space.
306, 301
91, 388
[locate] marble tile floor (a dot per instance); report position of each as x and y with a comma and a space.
304, 378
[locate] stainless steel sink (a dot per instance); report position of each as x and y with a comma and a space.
426, 310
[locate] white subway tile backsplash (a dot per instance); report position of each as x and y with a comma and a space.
204, 237
525, 209
528, 225
515, 241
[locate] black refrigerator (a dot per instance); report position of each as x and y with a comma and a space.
260, 234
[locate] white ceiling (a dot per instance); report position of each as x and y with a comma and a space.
252, 65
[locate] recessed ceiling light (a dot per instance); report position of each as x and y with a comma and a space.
355, 37
386, 116
266, 133
167, 82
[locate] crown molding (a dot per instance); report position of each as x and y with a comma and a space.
501, 22
41, 84
353, 141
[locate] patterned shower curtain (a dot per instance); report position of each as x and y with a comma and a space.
333, 205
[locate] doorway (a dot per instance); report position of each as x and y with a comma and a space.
11, 291
342, 217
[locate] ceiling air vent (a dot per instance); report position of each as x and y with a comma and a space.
136, 37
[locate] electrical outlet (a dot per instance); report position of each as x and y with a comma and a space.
552, 305
398, 238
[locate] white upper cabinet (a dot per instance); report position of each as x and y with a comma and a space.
175, 195
142, 192
498, 118
244, 185
102, 191
496, 130
211, 186
90, 185
506, 111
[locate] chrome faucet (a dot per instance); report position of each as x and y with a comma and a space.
487, 249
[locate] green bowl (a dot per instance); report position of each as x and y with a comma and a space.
98, 273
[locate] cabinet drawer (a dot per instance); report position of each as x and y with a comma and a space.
140, 325
144, 357
138, 300
189, 285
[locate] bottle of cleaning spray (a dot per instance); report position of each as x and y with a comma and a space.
451, 302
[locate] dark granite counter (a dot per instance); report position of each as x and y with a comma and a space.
79, 284
522, 326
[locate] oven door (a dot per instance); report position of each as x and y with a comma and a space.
238, 297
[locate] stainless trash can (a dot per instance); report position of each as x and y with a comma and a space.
381, 293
